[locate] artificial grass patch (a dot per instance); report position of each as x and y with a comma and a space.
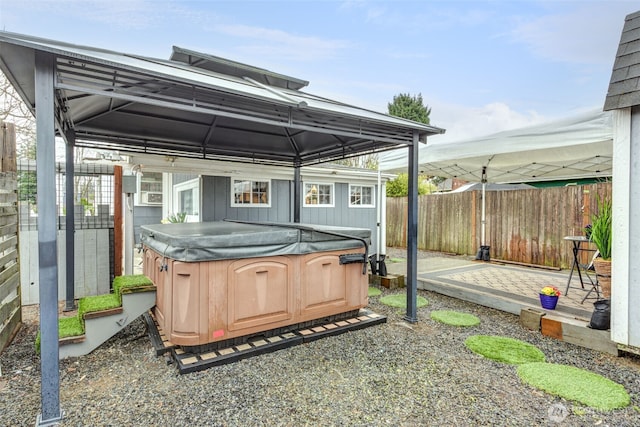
374, 292
455, 318
98, 303
70, 327
74, 326
575, 384
121, 284
67, 327
503, 349
400, 300
130, 283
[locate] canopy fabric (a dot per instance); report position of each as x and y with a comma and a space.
477, 186
197, 105
575, 147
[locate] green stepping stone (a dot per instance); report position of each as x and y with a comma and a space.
503, 349
374, 292
575, 384
455, 318
400, 301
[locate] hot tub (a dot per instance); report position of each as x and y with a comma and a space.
218, 281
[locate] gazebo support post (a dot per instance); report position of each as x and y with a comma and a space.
70, 230
412, 232
47, 246
297, 183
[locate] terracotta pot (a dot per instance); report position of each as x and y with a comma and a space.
603, 273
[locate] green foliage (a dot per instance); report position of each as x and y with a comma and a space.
601, 228
399, 186
27, 149
578, 385
27, 186
367, 161
87, 206
504, 349
409, 107
179, 217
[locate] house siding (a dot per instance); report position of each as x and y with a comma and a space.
143, 215
216, 206
216, 202
179, 178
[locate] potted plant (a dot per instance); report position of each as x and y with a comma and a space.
174, 218
601, 229
549, 297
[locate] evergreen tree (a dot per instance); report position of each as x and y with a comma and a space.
409, 107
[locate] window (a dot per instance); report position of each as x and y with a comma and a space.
318, 194
149, 189
250, 193
186, 198
361, 196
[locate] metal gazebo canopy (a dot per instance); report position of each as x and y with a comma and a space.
194, 105
187, 107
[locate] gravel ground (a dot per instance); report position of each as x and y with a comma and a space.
395, 374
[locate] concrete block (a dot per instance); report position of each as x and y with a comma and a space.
390, 281
531, 318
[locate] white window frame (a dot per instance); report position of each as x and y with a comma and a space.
317, 184
191, 185
251, 204
373, 196
139, 199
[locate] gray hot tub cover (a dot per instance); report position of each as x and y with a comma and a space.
207, 241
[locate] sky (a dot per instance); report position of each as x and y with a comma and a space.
481, 66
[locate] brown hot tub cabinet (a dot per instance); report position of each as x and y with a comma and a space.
218, 281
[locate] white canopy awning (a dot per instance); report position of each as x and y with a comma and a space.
575, 147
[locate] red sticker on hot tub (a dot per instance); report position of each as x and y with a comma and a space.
219, 333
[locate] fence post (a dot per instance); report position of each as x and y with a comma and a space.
11, 317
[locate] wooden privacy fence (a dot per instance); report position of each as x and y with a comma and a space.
10, 312
526, 226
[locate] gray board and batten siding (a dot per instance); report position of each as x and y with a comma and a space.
216, 206
145, 215
216, 202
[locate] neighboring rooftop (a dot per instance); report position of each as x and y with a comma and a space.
624, 87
